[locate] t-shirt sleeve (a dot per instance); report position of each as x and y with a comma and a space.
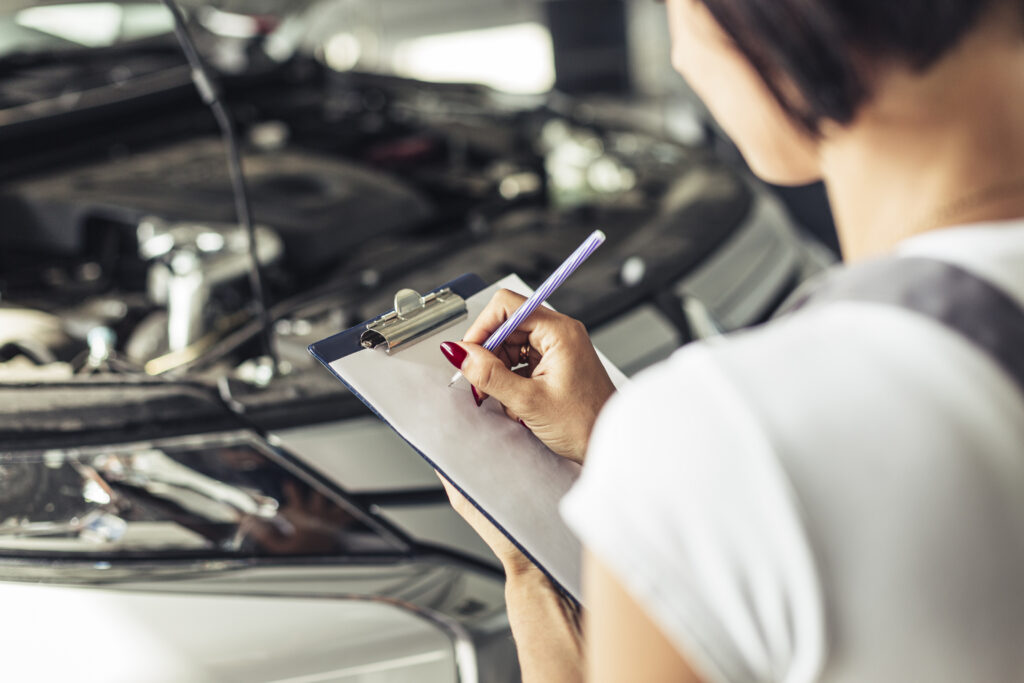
685, 501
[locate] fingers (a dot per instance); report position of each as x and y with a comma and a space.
526, 371
535, 330
492, 377
455, 497
512, 414
502, 305
448, 488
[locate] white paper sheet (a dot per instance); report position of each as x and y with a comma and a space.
500, 466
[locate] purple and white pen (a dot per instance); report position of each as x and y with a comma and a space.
553, 282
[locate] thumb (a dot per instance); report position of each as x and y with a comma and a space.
488, 374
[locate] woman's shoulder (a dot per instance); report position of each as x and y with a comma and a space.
684, 497
842, 376
838, 434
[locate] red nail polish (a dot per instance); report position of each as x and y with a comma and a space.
476, 397
524, 424
455, 354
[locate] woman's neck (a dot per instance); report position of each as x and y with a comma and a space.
935, 150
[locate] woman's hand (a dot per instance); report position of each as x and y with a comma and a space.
545, 625
560, 390
512, 559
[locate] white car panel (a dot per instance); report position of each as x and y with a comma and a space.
87, 635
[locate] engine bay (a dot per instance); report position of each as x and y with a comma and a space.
122, 267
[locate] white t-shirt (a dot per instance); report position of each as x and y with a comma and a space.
837, 496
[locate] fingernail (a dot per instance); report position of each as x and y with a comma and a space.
476, 397
455, 354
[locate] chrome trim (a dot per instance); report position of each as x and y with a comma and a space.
413, 317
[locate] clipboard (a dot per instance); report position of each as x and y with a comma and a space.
393, 364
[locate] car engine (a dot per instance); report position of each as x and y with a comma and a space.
148, 440
120, 256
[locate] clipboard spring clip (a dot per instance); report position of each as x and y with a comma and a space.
414, 316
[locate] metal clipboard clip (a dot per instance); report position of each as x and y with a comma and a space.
414, 316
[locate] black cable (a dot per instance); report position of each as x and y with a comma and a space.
210, 94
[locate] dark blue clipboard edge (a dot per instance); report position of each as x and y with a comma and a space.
346, 343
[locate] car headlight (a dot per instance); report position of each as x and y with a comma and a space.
223, 494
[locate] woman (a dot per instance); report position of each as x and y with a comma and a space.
839, 495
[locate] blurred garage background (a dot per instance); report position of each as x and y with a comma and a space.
184, 493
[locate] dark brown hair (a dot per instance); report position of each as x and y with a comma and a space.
807, 50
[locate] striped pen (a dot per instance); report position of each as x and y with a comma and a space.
553, 282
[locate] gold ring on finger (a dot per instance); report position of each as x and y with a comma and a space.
524, 354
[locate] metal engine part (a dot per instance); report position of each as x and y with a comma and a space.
189, 260
32, 346
33, 332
